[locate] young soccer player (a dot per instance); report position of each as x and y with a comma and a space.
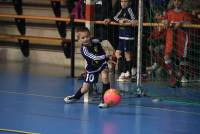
96, 59
126, 40
173, 20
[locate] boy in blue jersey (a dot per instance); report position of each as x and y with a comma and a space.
126, 40
96, 60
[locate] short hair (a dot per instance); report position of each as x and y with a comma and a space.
83, 29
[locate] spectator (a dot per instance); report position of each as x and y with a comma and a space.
156, 46
70, 4
77, 10
193, 54
102, 12
126, 40
173, 20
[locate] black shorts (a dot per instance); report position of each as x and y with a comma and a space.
92, 77
125, 45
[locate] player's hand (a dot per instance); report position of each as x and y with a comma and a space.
110, 59
134, 22
165, 23
123, 21
106, 21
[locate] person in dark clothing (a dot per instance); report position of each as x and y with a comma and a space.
177, 42
70, 4
126, 40
102, 12
96, 59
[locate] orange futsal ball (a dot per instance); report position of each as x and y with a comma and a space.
112, 97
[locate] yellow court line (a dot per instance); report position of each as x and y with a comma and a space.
17, 131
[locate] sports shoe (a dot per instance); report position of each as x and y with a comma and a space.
184, 79
151, 68
102, 105
123, 80
121, 77
70, 99
134, 71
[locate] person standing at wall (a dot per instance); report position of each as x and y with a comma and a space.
126, 40
173, 20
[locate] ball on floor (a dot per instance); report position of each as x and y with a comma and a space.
112, 97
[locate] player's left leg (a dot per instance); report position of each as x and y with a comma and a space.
128, 49
79, 93
183, 73
105, 87
129, 64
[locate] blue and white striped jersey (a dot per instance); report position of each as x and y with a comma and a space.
95, 57
126, 33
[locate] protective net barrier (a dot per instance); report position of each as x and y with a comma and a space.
185, 64
168, 71
189, 56
176, 77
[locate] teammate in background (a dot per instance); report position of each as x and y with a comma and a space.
156, 46
173, 20
126, 40
96, 59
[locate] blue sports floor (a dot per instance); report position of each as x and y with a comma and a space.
31, 101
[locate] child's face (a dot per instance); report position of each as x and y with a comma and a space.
84, 37
124, 3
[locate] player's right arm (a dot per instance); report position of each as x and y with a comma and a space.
90, 56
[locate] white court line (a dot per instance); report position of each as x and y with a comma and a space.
46, 96
16, 131
139, 106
